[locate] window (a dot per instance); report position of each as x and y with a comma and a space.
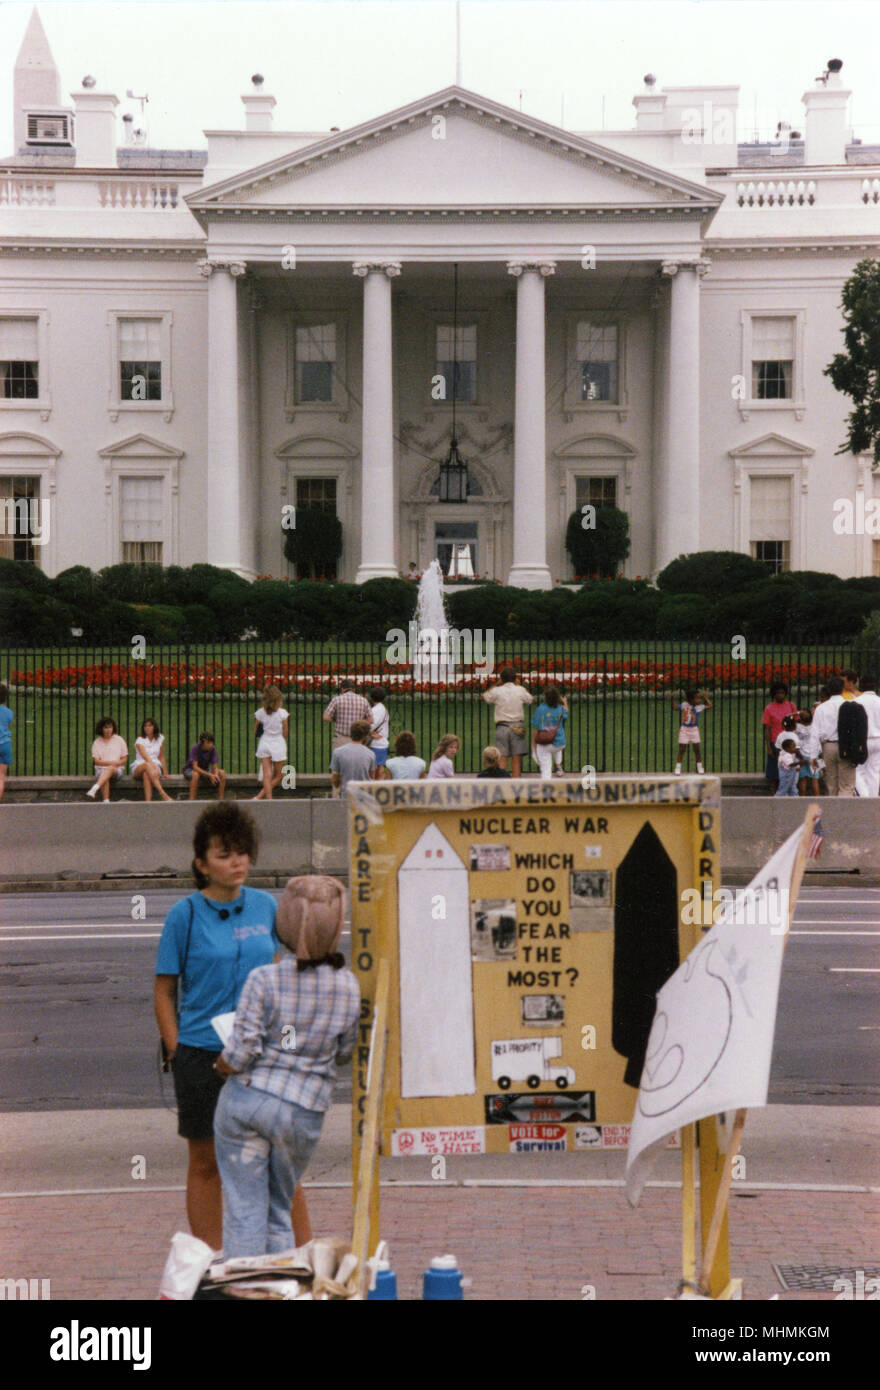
19, 359
598, 492
770, 522
596, 357
19, 517
456, 361
772, 358
317, 493
140, 359
142, 520
455, 534
315, 362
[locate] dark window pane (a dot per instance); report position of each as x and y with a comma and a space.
20, 380
314, 381
150, 389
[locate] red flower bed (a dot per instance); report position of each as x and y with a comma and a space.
304, 678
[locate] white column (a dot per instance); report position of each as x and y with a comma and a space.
225, 544
379, 526
677, 497
530, 569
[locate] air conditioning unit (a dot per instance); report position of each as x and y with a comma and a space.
50, 128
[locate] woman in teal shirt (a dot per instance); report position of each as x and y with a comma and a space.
6, 718
210, 943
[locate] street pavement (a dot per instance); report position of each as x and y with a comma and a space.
91, 1169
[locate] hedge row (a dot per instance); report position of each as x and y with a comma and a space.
706, 596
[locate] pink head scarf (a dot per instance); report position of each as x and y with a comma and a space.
310, 916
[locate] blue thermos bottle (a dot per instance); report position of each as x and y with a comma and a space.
385, 1287
443, 1279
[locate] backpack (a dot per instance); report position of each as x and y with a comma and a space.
852, 732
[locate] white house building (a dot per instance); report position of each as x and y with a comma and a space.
193, 341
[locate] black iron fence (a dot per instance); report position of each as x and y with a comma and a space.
623, 717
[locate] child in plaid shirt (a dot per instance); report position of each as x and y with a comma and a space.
294, 1022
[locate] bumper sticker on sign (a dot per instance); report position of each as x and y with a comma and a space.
535, 1107
526, 1139
611, 1137
469, 1139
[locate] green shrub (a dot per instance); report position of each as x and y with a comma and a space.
32, 619
21, 574
75, 586
614, 610
200, 623
599, 550
269, 609
686, 616
712, 573
316, 540
378, 606
160, 623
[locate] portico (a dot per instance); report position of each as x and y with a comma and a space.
604, 240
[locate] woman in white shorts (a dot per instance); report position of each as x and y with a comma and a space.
149, 765
271, 722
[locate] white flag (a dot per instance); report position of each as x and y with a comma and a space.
712, 1037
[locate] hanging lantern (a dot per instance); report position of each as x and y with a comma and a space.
453, 484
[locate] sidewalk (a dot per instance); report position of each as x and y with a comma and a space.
520, 1230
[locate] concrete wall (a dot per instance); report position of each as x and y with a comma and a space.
43, 841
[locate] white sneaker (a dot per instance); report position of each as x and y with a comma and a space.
93, 791
701, 771
677, 772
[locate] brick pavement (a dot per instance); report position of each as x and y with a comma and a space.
521, 1243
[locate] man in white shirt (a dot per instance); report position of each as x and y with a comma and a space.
868, 774
840, 777
509, 699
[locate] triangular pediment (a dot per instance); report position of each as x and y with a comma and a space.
455, 149
140, 446
771, 445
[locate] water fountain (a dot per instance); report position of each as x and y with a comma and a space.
432, 656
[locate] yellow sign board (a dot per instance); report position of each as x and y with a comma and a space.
528, 926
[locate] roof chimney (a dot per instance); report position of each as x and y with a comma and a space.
825, 128
649, 105
95, 128
258, 106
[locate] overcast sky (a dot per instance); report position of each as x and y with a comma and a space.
330, 63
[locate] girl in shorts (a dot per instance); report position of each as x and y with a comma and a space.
271, 722
109, 753
210, 942
691, 707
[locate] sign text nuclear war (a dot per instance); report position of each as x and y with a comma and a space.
542, 887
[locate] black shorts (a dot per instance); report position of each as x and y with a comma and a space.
197, 1087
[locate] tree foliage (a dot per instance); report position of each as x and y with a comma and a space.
856, 372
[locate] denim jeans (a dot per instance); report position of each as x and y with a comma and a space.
263, 1147
787, 781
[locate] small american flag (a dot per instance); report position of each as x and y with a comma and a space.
816, 839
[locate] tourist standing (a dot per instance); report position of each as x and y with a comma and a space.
109, 754
6, 718
210, 942
695, 703
788, 761
271, 722
774, 713
868, 774
345, 709
294, 1022
379, 726
840, 776
509, 699
548, 731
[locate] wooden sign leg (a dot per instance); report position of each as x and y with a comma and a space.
366, 1184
